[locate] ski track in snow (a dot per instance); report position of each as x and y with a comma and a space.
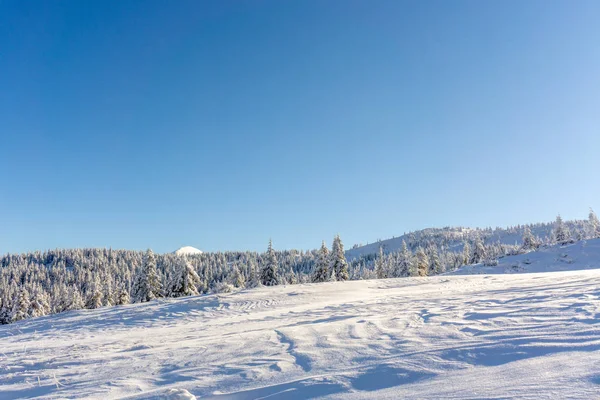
525, 336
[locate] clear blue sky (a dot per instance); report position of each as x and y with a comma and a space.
137, 124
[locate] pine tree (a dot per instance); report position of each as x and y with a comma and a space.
21, 306
339, 265
76, 299
529, 241
269, 275
594, 224
322, 272
466, 254
435, 265
405, 263
122, 297
479, 253
380, 272
39, 304
147, 285
237, 278
184, 280
422, 262
561, 232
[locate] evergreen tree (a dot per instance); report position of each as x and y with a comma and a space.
237, 278
122, 297
435, 265
269, 275
339, 265
76, 299
322, 272
405, 263
184, 280
561, 232
380, 272
479, 253
529, 241
21, 306
422, 262
466, 254
594, 225
147, 285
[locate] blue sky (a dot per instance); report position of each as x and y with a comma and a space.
136, 124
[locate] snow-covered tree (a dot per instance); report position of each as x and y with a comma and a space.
561, 232
237, 279
467, 254
184, 279
479, 253
147, 285
405, 262
75, 299
21, 306
122, 297
268, 274
322, 272
380, 271
339, 265
594, 225
529, 241
422, 262
435, 265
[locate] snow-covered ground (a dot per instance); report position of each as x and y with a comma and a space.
509, 336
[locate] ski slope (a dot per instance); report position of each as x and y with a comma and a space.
504, 336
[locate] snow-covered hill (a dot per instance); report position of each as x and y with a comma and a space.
584, 254
453, 239
185, 250
510, 336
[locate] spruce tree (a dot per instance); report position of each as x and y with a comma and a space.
380, 272
561, 232
405, 262
268, 274
422, 262
529, 241
466, 256
21, 305
322, 272
184, 280
147, 285
339, 265
594, 225
479, 253
435, 265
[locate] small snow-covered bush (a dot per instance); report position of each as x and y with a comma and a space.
222, 287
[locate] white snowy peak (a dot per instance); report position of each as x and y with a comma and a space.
185, 250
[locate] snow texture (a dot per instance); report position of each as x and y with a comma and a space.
502, 336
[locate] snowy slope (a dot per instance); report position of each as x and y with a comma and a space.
511, 336
185, 250
584, 254
454, 238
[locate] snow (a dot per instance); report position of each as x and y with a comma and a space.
508, 336
584, 254
185, 250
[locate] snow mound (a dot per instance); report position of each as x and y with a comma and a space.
179, 394
185, 250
